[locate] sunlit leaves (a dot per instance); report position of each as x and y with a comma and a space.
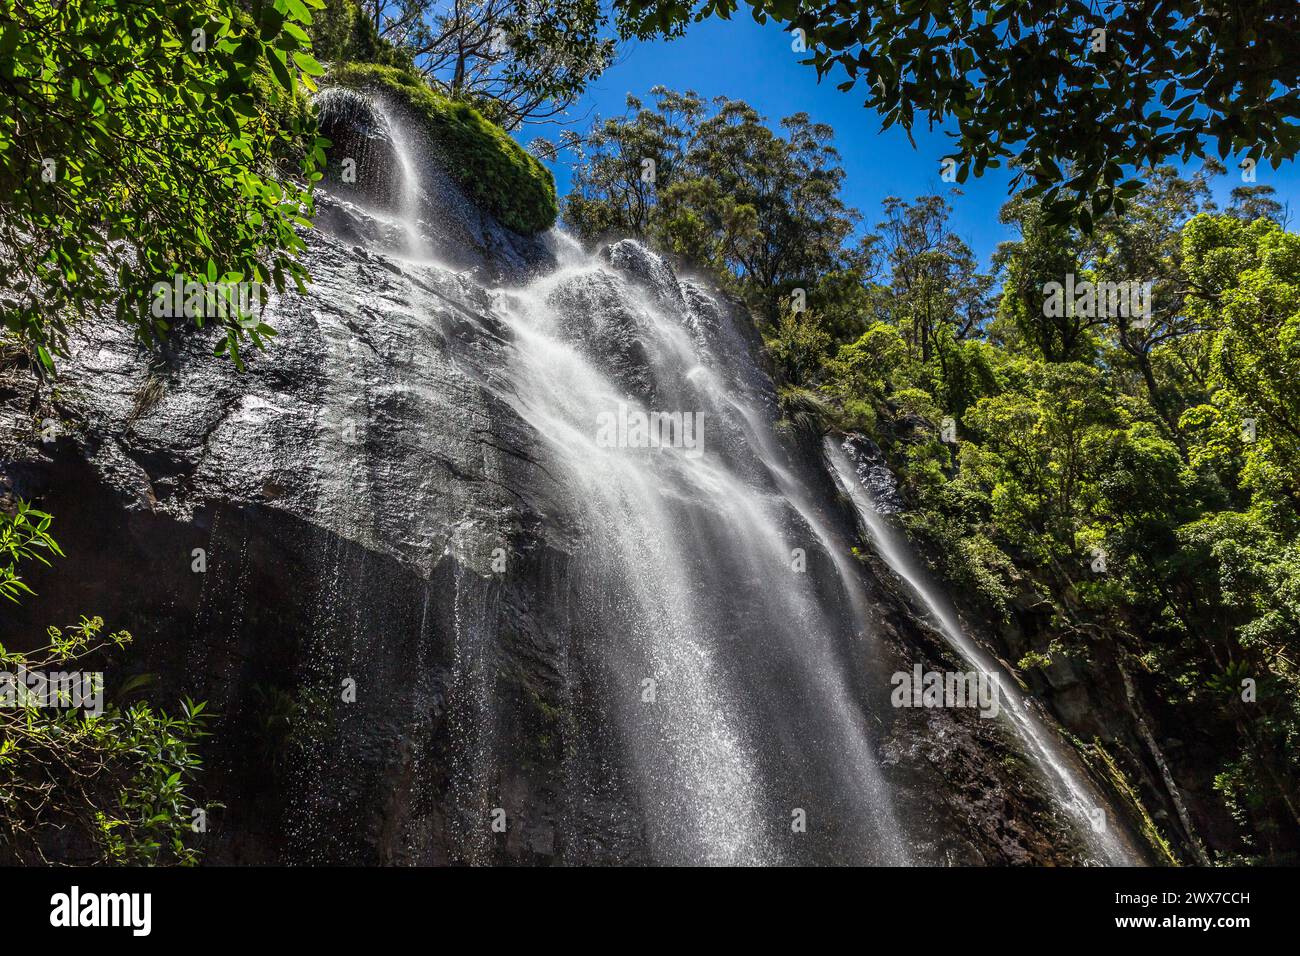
1247, 278
136, 146
24, 536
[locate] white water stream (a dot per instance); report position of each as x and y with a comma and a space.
1049, 753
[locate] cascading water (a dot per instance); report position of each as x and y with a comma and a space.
703, 663
410, 199
663, 528
384, 162
1074, 791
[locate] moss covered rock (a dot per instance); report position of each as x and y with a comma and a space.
493, 170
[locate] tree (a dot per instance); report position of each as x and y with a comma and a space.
517, 61
798, 347
936, 283
342, 31
862, 367
623, 163
792, 183
718, 187
1103, 89
1255, 202
1044, 252
134, 148
1144, 244
1040, 450
1247, 276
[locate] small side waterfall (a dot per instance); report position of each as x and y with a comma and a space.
1059, 767
382, 171
410, 199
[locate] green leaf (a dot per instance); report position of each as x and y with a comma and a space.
308, 64
275, 59
299, 11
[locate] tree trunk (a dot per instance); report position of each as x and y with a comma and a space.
1175, 795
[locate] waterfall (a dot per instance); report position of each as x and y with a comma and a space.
383, 173
709, 658
663, 528
1059, 767
410, 200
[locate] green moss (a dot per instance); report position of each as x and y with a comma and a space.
1099, 759
493, 170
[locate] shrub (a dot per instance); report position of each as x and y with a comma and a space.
82, 778
495, 171
126, 158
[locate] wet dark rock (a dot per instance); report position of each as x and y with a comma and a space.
873, 471
594, 309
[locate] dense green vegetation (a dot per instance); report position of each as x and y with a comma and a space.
494, 170
140, 141
1133, 474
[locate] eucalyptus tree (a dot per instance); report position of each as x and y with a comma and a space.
624, 163
518, 61
714, 184
936, 285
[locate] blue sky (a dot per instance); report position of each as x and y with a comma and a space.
743, 60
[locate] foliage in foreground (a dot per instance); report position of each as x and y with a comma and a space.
495, 171
92, 781
141, 141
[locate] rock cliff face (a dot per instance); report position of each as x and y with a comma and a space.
442, 622
1164, 786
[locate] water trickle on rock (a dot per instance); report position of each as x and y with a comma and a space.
875, 499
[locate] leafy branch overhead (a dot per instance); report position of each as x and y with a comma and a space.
1081, 97
139, 141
